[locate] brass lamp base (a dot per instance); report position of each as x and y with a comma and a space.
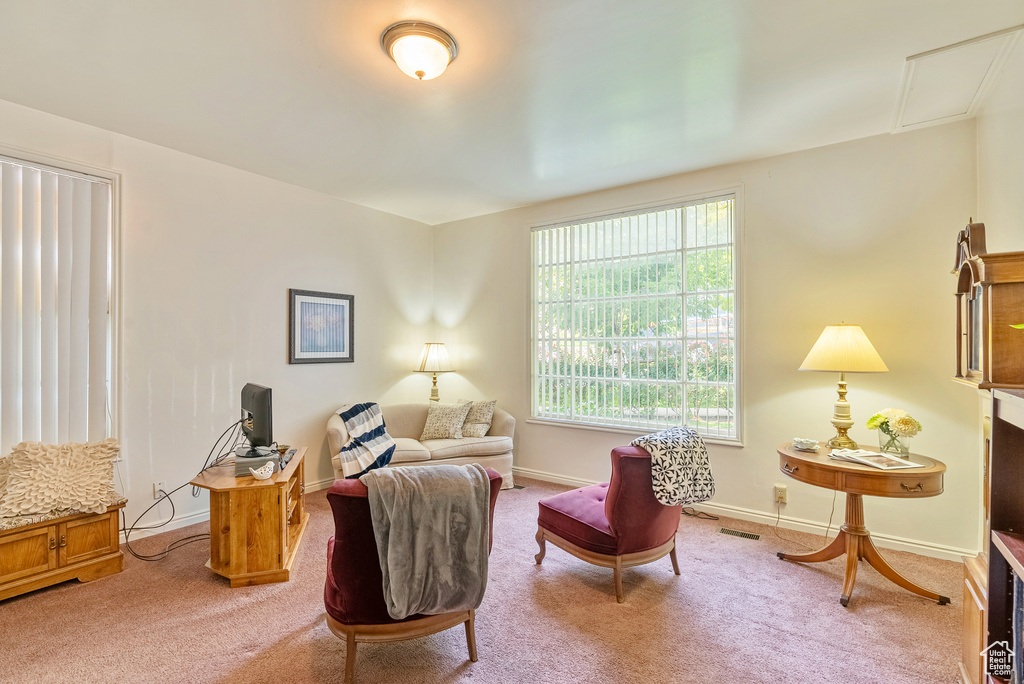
841, 419
842, 441
434, 396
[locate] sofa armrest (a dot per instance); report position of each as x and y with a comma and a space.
502, 424
337, 435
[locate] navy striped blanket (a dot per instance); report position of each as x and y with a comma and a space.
369, 445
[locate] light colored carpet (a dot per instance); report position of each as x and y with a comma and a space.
737, 613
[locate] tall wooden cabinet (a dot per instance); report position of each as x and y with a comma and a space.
989, 356
1006, 541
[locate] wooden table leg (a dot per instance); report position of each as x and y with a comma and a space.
835, 549
855, 541
872, 556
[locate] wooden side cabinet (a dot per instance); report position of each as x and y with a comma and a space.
83, 547
256, 526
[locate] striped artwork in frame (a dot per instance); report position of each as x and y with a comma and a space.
320, 327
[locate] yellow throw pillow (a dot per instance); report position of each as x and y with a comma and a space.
444, 421
478, 420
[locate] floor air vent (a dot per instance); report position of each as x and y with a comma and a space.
737, 533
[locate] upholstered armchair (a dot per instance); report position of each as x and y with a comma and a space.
618, 524
353, 593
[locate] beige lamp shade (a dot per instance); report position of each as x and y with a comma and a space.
434, 359
843, 349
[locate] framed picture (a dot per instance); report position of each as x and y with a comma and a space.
320, 327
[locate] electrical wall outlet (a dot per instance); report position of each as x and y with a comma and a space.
781, 494
159, 486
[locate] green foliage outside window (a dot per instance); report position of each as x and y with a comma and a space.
621, 339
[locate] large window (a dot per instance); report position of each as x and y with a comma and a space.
634, 320
57, 342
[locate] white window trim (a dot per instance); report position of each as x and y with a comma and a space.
739, 253
72, 167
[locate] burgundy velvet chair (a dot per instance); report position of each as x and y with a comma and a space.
354, 594
618, 524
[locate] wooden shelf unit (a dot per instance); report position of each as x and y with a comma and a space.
85, 546
256, 526
1006, 545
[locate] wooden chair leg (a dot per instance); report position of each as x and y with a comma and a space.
540, 542
675, 561
618, 580
471, 635
350, 657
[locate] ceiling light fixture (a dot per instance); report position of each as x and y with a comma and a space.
419, 49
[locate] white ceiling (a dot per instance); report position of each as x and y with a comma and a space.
547, 98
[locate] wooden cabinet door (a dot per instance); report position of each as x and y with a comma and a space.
27, 553
82, 540
974, 631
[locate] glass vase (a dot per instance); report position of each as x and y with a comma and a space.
893, 444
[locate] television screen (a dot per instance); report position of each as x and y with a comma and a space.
256, 415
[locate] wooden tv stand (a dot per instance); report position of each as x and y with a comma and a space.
256, 526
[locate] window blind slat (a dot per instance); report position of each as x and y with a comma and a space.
64, 254
30, 319
10, 304
78, 365
98, 292
48, 307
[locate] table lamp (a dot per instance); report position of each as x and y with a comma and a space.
434, 360
843, 349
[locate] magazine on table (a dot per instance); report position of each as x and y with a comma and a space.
872, 458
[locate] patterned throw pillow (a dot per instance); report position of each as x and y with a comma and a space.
444, 421
46, 477
478, 420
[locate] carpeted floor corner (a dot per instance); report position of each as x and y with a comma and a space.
737, 613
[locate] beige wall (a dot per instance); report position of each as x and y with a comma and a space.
1001, 160
208, 255
861, 232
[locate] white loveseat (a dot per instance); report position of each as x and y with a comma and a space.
405, 424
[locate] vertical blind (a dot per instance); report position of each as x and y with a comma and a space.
55, 286
634, 319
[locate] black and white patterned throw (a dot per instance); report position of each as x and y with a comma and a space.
680, 468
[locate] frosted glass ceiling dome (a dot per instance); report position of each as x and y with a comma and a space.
421, 50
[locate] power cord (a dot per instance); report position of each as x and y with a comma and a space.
700, 515
778, 517
233, 441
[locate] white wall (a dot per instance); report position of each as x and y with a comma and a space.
862, 232
1001, 160
208, 255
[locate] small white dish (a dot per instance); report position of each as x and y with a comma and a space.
802, 444
263, 472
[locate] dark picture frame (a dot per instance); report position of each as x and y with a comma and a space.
321, 327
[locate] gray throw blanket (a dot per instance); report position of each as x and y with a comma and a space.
431, 527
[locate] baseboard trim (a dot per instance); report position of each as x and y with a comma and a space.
922, 548
551, 477
319, 484
203, 516
177, 523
